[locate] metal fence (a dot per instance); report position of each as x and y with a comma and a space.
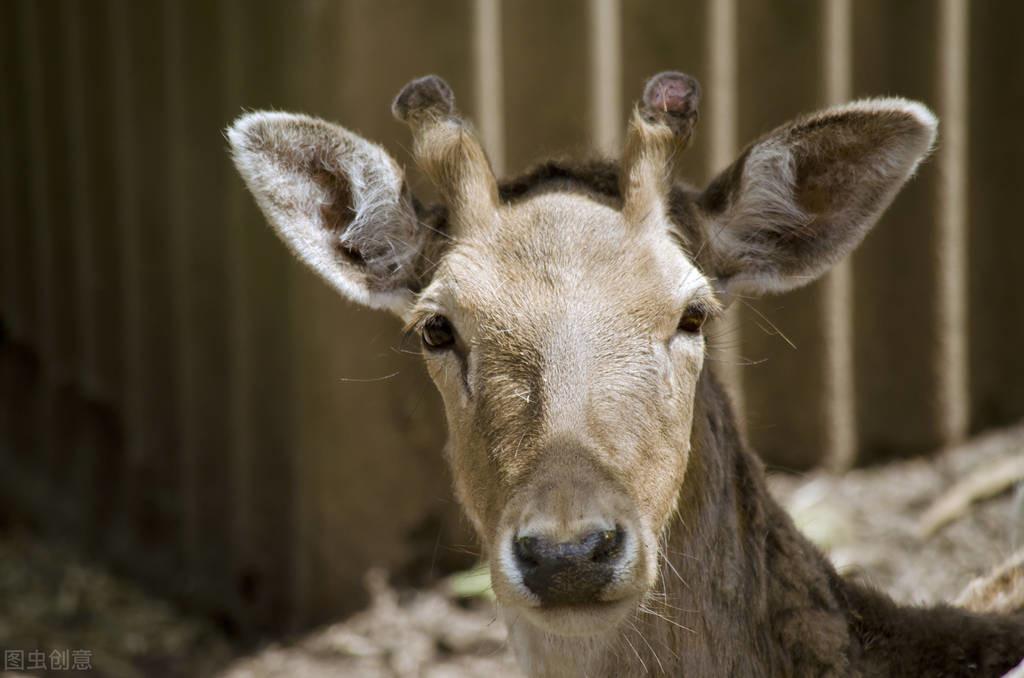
180, 395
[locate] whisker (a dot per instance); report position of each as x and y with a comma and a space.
369, 380
638, 657
676, 573
653, 653
648, 610
771, 324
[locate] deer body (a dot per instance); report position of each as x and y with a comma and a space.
562, 318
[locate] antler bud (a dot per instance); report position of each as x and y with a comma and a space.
448, 151
428, 96
662, 123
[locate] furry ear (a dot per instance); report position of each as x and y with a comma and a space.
805, 195
337, 200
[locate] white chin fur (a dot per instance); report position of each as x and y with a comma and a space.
577, 621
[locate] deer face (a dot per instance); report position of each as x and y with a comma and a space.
563, 324
568, 376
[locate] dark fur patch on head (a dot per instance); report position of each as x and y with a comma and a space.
596, 176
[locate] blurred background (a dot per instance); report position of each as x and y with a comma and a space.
184, 403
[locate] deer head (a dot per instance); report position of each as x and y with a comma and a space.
562, 316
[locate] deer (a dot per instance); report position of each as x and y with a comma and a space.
563, 316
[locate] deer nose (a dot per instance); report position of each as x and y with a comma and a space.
570, 571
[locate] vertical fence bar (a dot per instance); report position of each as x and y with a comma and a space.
7, 190
61, 405
995, 174
80, 196
839, 398
259, 41
9, 254
8, 211
606, 75
62, 292
43, 331
210, 291
81, 448
896, 270
781, 77
242, 428
21, 274
154, 479
951, 242
126, 177
104, 420
178, 95
723, 120
34, 105
199, 251
312, 395
101, 116
490, 83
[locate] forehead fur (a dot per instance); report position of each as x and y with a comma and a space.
560, 244
595, 181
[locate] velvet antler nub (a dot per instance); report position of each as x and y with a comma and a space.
448, 151
662, 123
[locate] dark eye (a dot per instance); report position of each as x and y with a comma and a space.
438, 333
693, 320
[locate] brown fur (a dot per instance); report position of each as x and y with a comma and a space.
745, 593
572, 372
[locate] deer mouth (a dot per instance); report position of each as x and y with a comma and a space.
581, 619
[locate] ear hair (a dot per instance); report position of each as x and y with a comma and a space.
805, 195
767, 198
338, 201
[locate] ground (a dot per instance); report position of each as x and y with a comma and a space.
920, 530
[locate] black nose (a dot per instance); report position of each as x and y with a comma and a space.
571, 571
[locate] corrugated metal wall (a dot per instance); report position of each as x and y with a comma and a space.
183, 397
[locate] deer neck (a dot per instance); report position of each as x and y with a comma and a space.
738, 574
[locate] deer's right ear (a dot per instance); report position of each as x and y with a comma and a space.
337, 200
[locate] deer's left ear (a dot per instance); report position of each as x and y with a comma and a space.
805, 195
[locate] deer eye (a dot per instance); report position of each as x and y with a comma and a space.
438, 333
693, 319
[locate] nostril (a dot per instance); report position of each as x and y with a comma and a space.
525, 549
600, 547
606, 545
